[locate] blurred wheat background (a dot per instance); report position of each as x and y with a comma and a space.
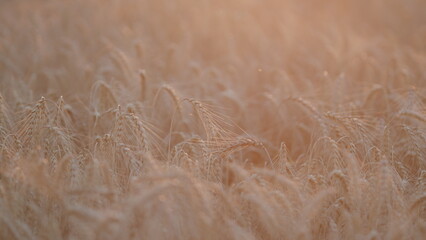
213, 119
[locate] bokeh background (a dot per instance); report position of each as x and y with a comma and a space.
225, 119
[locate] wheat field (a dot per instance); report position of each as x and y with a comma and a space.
213, 119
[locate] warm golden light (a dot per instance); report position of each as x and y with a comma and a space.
213, 119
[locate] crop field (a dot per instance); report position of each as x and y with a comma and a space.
213, 119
